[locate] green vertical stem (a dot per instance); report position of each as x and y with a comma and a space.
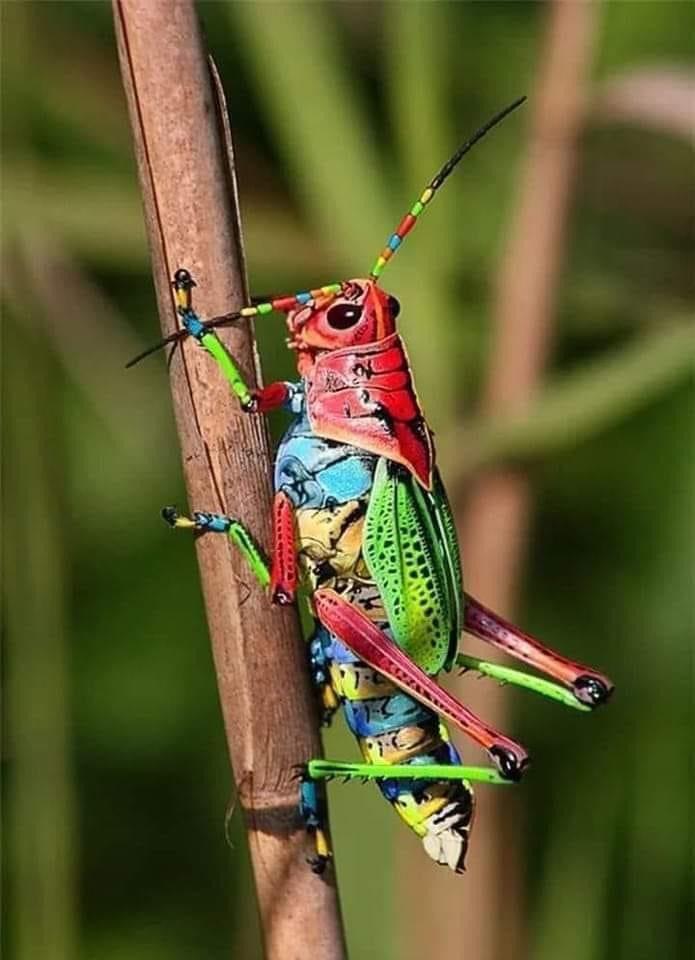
42, 911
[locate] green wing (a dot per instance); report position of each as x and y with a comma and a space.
412, 553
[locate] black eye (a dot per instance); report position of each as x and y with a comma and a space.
394, 307
344, 315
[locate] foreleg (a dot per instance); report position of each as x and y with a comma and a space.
589, 686
252, 401
261, 400
375, 648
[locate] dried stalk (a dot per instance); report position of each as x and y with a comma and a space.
484, 917
193, 220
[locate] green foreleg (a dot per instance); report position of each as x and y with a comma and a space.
520, 679
209, 340
228, 367
202, 522
327, 769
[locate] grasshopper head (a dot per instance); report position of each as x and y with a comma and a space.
360, 313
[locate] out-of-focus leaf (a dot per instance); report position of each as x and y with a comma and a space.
660, 98
41, 808
577, 871
321, 124
98, 215
576, 405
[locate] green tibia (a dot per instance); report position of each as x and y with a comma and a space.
408, 554
520, 679
237, 532
228, 367
325, 769
239, 535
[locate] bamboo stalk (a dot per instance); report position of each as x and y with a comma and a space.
192, 220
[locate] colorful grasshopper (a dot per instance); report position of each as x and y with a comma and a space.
361, 515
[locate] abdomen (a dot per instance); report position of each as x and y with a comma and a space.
329, 485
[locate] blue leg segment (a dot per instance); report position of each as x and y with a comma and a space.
318, 668
203, 522
313, 810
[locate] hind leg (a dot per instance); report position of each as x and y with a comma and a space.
314, 812
318, 668
330, 769
519, 679
589, 686
374, 647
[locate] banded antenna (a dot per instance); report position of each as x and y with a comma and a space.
284, 304
410, 219
310, 298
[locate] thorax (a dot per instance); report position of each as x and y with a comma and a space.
329, 485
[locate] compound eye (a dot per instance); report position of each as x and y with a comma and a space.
394, 307
344, 315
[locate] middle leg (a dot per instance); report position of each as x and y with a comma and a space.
282, 577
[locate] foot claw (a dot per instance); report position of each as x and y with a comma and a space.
318, 864
592, 690
170, 515
281, 597
508, 764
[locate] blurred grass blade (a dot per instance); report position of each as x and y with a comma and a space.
660, 98
662, 855
578, 404
320, 123
426, 130
571, 915
42, 911
98, 216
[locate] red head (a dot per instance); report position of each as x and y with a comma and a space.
359, 313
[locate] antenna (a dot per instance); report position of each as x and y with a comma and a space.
282, 303
410, 219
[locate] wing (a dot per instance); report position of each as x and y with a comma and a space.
412, 553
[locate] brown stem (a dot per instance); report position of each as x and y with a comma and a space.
495, 522
485, 919
192, 220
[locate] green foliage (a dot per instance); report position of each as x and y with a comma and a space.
116, 778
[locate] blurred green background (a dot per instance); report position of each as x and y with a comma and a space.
115, 774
